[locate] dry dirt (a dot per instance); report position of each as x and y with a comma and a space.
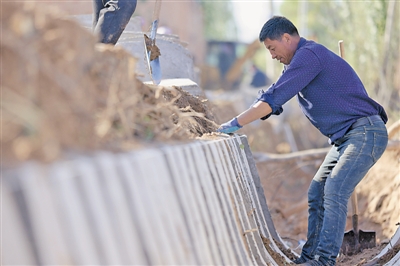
152, 48
286, 183
62, 93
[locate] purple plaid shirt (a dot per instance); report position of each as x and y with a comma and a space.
328, 90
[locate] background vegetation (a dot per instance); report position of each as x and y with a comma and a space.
371, 33
370, 30
219, 22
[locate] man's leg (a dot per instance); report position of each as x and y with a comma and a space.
358, 151
113, 18
315, 205
97, 7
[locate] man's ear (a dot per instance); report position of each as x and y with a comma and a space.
286, 37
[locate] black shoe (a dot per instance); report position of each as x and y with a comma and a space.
312, 263
299, 260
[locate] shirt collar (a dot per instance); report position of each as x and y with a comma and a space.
301, 43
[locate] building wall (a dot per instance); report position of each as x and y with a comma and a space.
70, 7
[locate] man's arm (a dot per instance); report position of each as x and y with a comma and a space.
258, 110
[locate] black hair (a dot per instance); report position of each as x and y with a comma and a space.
275, 27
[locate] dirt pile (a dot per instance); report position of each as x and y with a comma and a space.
62, 91
381, 192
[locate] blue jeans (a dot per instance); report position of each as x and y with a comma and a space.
344, 167
110, 18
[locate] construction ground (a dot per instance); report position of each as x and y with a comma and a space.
64, 94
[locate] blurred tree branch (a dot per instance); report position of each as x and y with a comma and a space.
385, 81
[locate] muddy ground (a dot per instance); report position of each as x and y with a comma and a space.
64, 95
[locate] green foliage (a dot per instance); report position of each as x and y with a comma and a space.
378, 15
361, 24
219, 23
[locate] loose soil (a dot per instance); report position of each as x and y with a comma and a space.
64, 92
152, 48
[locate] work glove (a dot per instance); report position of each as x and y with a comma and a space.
230, 126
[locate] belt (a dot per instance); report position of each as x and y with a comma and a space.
366, 121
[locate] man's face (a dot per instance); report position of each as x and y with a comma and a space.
281, 50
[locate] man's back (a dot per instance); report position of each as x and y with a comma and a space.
335, 97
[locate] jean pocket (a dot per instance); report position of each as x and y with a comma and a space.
380, 142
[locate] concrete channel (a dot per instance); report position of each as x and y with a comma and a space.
199, 203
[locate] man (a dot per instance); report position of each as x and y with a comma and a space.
260, 79
333, 98
110, 18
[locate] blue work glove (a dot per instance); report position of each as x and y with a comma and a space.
230, 126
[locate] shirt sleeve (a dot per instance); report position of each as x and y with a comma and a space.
305, 66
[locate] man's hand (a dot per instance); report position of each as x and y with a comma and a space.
230, 126
256, 111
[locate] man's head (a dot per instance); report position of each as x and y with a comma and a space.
281, 38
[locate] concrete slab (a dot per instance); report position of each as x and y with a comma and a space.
16, 249
204, 224
214, 212
175, 60
225, 199
76, 225
97, 210
148, 225
46, 225
185, 84
123, 219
